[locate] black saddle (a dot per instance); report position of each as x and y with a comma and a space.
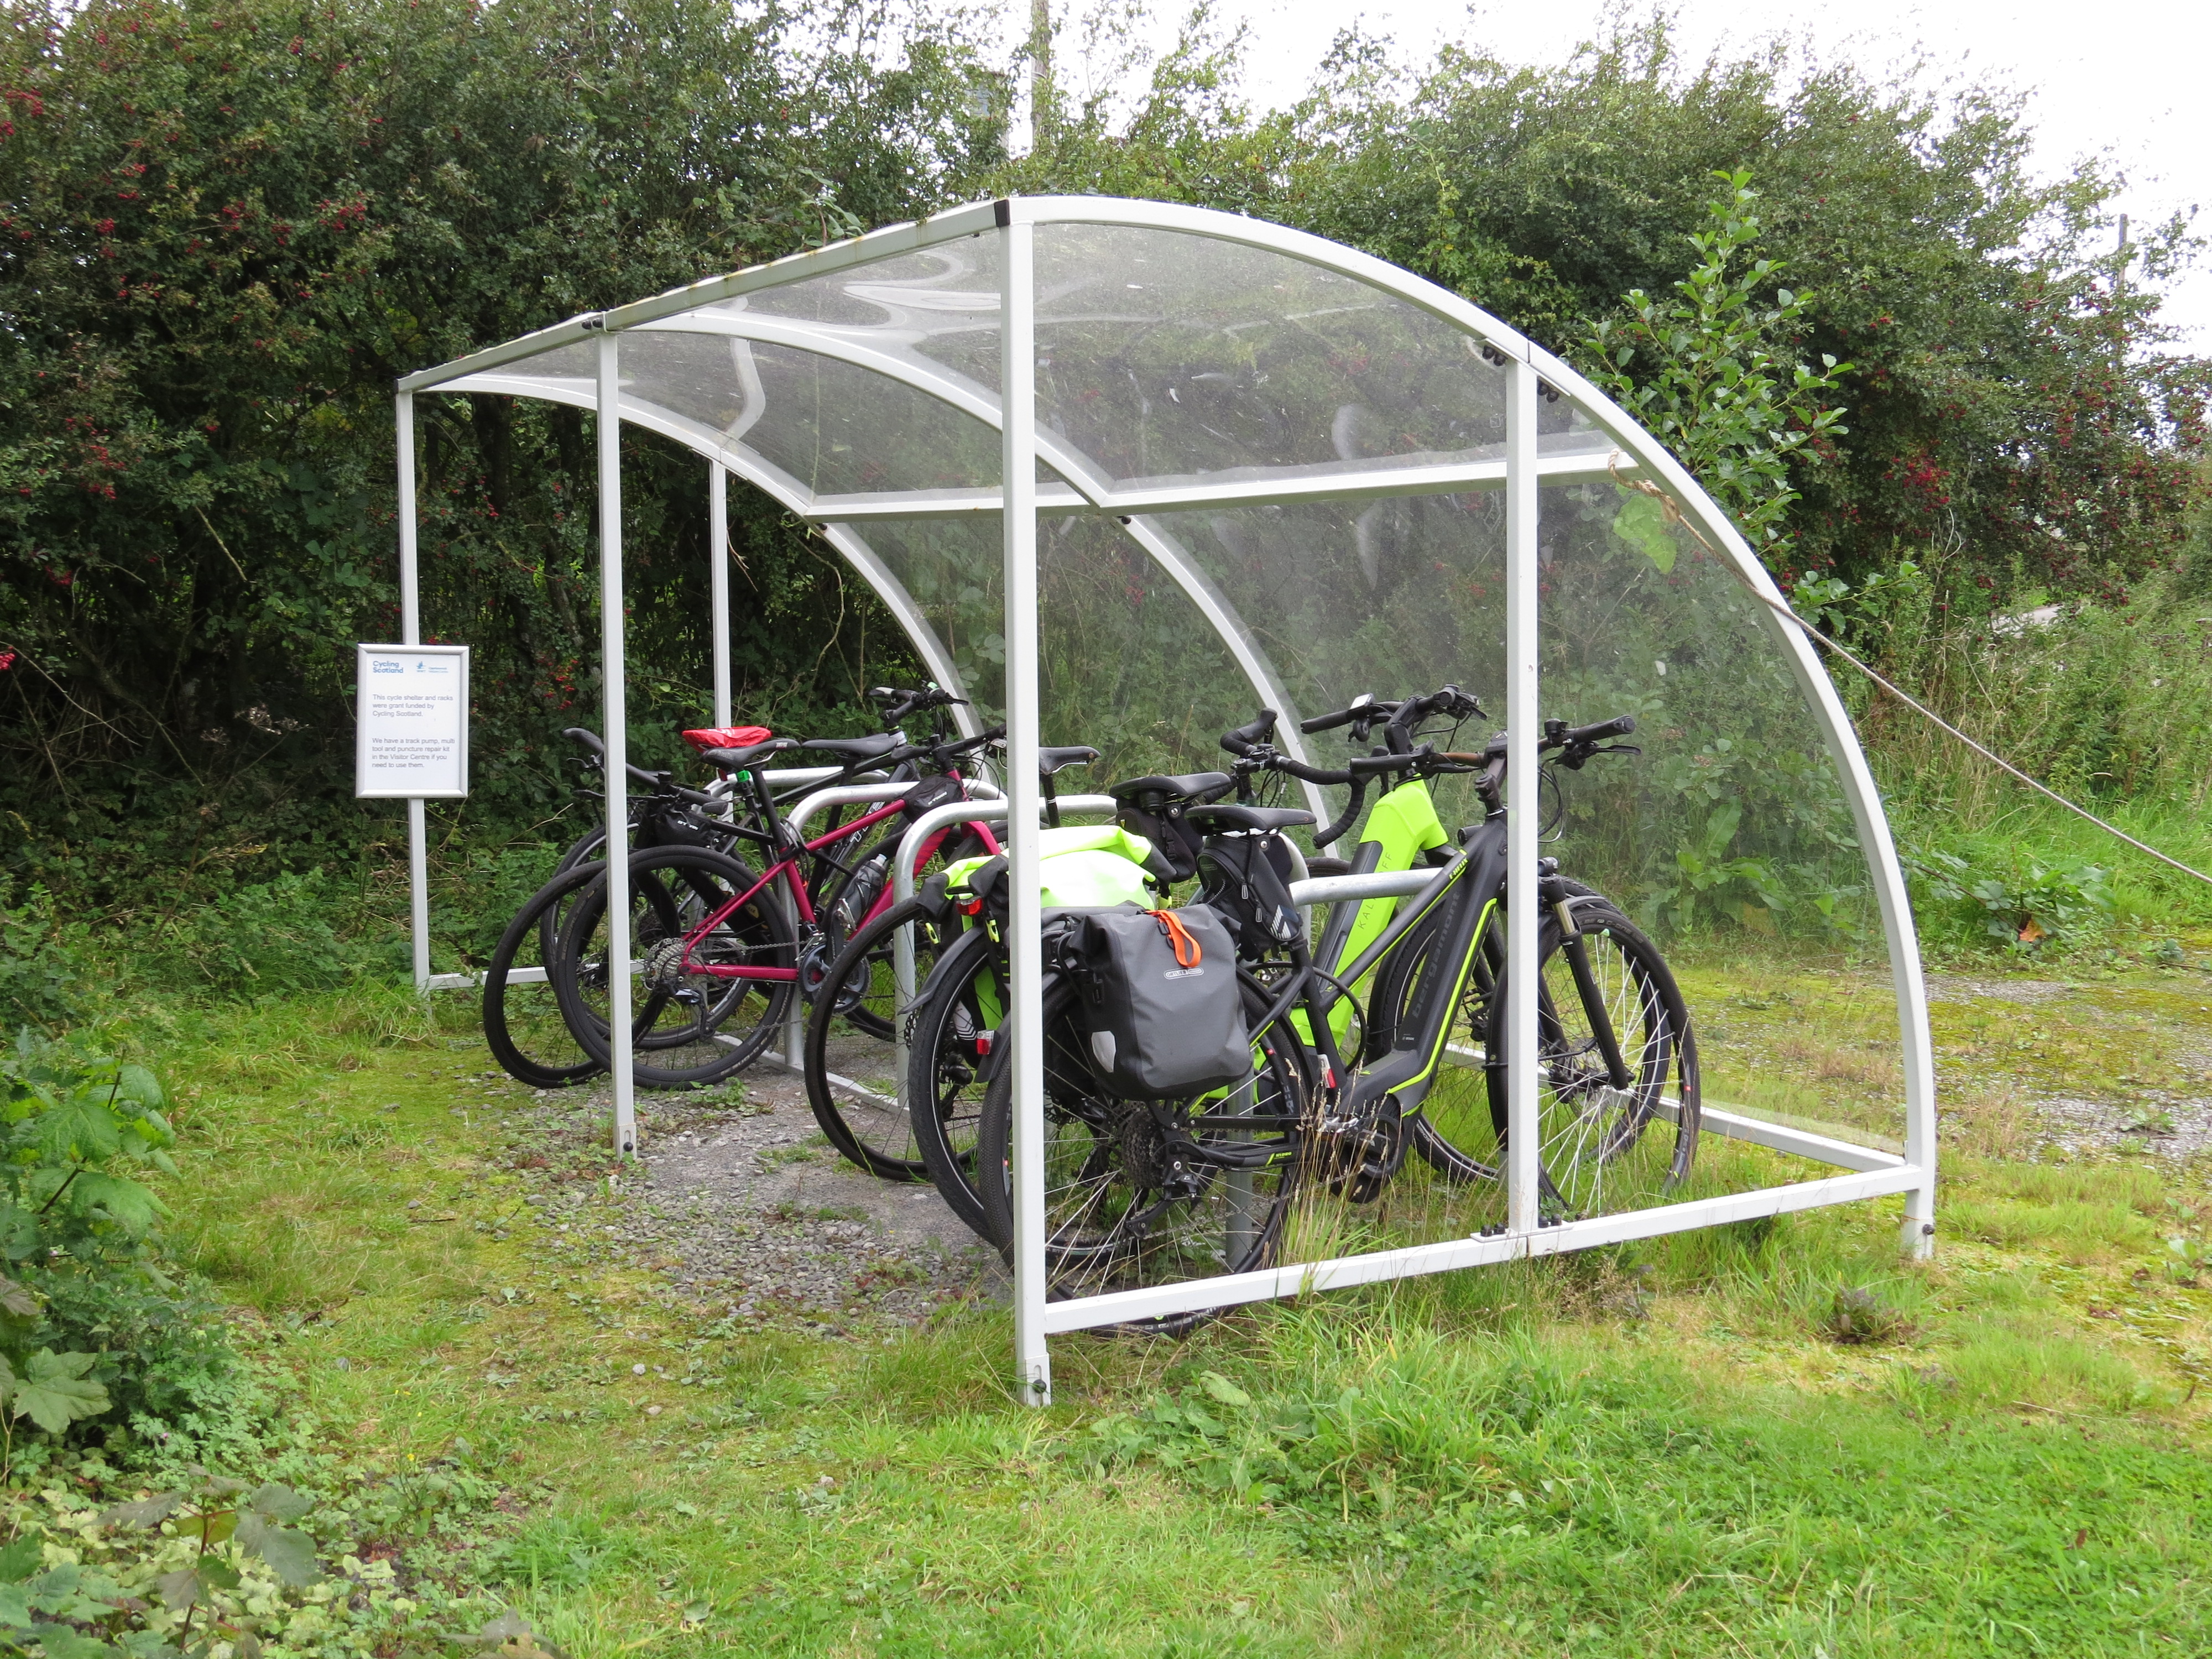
853, 750
1228, 815
1190, 783
1051, 761
737, 760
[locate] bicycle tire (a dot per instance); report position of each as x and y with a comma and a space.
846, 911
877, 1137
1103, 1158
689, 1028
523, 1024
1592, 1136
946, 1076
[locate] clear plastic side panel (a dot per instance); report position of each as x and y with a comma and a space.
1728, 841
1130, 666
1386, 599
1164, 355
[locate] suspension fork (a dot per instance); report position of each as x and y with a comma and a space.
1576, 949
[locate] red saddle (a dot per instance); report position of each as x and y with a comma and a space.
727, 737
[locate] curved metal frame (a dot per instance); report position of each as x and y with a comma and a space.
1020, 500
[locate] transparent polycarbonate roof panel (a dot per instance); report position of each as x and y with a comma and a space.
577, 361
1166, 356
940, 305
840, 430
835, 428
1129, 664
1562, 428
1729, 838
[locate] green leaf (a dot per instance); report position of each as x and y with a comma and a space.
139, 1086
17, 1299
53, 1393
63, 1643
180, 1589
1223, 1390
214, 1571
1642, 523
15, 1606
21, 1560
145, 1512
279, 1503
290, 1555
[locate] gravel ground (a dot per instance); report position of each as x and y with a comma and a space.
745, 1208
2165, 1122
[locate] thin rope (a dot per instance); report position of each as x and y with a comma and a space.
1673, 516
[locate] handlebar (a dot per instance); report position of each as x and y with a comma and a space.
1450, 702
1558, 734
900, 704
1253, 745
1244, 739
659, 783
1363, 711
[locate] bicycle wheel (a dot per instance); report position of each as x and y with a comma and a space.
1122, 1209
847, 911
852, 1080
522, 1021
950, 1047
1593, 1149
693, 1021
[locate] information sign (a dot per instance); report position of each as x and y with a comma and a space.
413, 740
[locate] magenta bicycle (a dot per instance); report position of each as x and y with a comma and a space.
719, 948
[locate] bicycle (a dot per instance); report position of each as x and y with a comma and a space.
722, 948
523, 1024
952, 1030
1144, 1192
849, 1049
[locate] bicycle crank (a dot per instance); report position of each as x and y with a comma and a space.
1362, 1154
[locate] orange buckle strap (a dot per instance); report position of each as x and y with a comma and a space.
1186, 952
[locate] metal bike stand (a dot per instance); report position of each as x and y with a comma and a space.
852, 794
793, 1057
902, 869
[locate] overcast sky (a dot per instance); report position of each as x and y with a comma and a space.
2126, 78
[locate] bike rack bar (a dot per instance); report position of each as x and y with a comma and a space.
793, 1058
902, 869
1385, 884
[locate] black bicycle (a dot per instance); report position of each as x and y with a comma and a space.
1144, 1192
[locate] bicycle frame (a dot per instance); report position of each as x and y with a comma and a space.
788, 868
1464, 897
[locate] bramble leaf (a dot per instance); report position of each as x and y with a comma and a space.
53, 1392
144, 1512
279, 1503
290, 1555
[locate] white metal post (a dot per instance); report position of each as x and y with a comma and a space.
410, 633
718, 553
1523, 809
1025, 957
616, 720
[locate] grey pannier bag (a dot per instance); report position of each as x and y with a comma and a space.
1160, 1005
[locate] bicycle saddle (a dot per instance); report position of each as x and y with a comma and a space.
737, 760
1051, 761
1190, 783
857, 749
1228, 815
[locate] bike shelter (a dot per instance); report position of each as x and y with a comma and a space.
1125, 471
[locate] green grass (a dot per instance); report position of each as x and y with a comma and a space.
1641, 1452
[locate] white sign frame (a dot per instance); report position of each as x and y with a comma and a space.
452, 725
